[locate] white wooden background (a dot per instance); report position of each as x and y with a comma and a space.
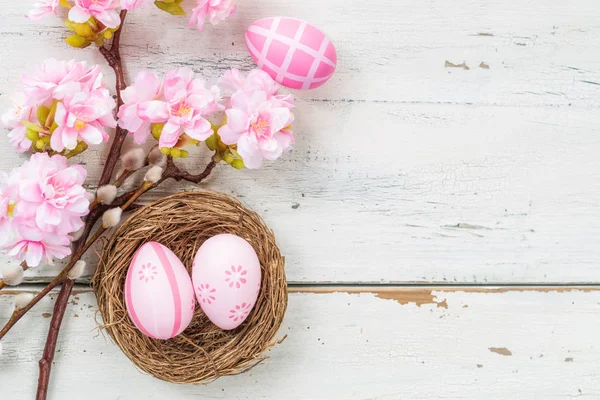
445, 176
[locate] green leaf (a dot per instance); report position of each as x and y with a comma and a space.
172, 8
42, 114
32, 126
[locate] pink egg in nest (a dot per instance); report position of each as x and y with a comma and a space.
158, 292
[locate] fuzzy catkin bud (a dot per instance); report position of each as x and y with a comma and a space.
112, 217
154, 174
13, 274
156, 157
106, 194
22, 300
133, 159
77, 270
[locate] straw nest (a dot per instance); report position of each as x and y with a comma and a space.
203, 352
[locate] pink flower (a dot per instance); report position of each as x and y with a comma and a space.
206, 294
12, 120
256, 80
51, 195
186, 103
147, 87
42, 8
58, 79
9, 191
235, 276
83, 117
240, 312
103, 10
32, 245
258, 126
215, 10
132, 4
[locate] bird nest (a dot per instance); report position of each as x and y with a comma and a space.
203, 352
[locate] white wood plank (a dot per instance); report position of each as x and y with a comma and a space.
406, 343
538, 52
429, 193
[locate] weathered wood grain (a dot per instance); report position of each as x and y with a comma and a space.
429, 193
406, 169
538, 52
395, 343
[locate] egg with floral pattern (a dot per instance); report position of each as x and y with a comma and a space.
159, 295
226, 276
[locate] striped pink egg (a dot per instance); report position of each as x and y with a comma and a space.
158, 292
295, 53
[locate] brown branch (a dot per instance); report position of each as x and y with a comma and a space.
46, 361
113, 57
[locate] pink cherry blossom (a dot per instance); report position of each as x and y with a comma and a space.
83, 117
9, 191
186, 102
258, 126
215, 10
32, 245
58, 79
103, 10
42, 8
147, 87
51, 194
132, 4
256, 80
12, 120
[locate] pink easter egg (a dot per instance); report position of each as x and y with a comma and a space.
226, 275
295, 53
158, 292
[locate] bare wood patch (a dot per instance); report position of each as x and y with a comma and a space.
462, 65
503, 351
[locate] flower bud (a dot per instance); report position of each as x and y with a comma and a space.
106, 194
13, 274
77, 41
134, 159
77, 234
22, 300
156, 157
112, 217
42, 115
157, 130
77, 270
175, 152
32, 135
238, 164
183, 154
153, 174
228, 158
165, 150
211, 142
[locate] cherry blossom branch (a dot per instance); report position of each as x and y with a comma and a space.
127, 199
113, 57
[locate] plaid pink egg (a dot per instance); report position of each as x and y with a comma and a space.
295, 53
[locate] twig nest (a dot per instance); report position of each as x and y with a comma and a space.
203, 352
